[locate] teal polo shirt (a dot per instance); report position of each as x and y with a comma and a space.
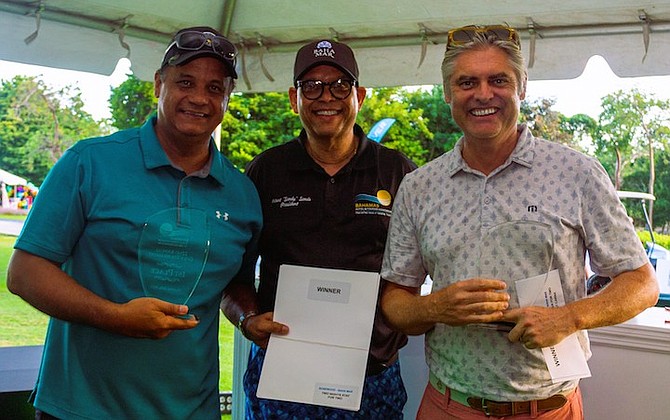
88, 217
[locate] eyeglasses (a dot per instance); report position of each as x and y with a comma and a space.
313, 89
194, 40
467, 34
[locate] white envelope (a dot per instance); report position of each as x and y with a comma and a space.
323, 358
565, 360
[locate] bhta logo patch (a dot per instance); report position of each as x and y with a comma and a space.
324, 49
379, 204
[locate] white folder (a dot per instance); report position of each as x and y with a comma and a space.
322, 360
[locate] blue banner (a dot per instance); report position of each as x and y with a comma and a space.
380, 128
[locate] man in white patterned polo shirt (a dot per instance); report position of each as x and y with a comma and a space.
504, 206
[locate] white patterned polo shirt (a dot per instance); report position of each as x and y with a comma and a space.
454, 223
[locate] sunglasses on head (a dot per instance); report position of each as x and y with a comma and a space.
194, 40
467, 34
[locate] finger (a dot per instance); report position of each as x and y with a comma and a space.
178, 323
181, 318
168, 308
512, 315
181, 309
486, 284
279, 329
529, 344
517, 334
489, 307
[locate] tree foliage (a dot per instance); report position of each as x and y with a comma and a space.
409, 134
132, 102
629, 127
548, 124
632, 125
38, 124
255, 122
437, 115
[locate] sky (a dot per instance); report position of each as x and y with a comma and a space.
581, 95
95, 88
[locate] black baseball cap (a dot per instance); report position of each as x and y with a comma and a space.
325, 52
200, 41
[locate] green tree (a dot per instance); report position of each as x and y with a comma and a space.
633, 124
581, 127
132, 102
548, 124
636, 179
38, 124
409, 134
255, 122
437, 114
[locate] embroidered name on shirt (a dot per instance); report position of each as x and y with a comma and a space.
290, 200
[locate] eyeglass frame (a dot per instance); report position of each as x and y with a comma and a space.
487, 30
208, 39
352, 84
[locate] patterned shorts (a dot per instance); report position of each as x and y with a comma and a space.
384, 397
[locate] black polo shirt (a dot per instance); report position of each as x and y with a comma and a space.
313, 219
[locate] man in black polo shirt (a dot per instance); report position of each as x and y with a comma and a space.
326, 199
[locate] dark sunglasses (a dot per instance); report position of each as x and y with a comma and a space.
313, 89
467, 34
194, 40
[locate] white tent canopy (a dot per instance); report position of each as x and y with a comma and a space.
11, 179
397, 42
8, 179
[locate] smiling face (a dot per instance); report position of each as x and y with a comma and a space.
327, 118
191, 99
485, 95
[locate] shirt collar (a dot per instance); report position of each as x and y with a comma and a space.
523, 153
154, 156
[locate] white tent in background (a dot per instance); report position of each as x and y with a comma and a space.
11, 179
7, 178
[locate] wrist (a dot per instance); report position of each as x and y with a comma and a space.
241, 322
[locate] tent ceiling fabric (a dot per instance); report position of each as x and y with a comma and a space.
397, 42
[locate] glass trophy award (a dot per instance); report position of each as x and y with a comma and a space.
514, 251
173, 250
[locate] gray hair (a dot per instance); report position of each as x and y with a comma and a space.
481, 41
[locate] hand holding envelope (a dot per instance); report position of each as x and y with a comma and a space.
521, 252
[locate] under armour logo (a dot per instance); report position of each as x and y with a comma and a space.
223, 216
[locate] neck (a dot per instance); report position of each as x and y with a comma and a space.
485, 156
331, 157
187, 155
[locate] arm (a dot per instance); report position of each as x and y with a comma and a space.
461, 303
45, 286
628, 294
239, 299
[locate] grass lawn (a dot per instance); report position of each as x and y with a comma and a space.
22, 325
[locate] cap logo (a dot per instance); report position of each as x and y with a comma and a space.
324, 49
174, 58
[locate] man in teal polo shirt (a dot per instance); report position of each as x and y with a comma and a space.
129, 246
